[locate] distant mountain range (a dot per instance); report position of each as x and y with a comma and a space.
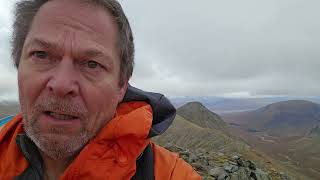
8, 108
286, 118
222, 105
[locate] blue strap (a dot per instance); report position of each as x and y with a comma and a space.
5, 120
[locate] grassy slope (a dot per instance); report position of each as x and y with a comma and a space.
306, 151
186, 134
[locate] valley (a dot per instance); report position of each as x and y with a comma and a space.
286, 131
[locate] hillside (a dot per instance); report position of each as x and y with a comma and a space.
287, 131
286, 118
8, 108
218, 145
198, 114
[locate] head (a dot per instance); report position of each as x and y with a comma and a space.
74, 60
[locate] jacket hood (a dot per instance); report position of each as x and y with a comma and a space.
163, 111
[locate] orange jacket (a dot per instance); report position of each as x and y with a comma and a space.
110, 155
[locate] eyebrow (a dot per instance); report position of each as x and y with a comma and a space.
42, 43
92, 53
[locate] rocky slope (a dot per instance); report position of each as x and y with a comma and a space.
212, 142
218, 166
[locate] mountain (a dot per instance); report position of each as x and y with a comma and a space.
223, 105
206, 100
8, 108
198, 114
287, 131
215, 145
285, 118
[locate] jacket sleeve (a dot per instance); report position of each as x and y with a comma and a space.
183, 170
168, 166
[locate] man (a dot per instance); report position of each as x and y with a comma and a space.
79, 117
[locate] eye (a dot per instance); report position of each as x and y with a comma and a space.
93, 64
40, 54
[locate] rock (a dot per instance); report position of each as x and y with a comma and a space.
218, 166
228, 168
185, 153
251, 165
261, 175
253, 176
283, 176
235, 158
223, 176
192, 158
233, 163
242, 174
204, 160
215, 172
234, 169
198, 167
240, 163
231, 168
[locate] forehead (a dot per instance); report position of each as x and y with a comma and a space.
57, 17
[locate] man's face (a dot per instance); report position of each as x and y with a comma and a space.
69, 76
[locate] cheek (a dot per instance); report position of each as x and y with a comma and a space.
30, 86
102, 102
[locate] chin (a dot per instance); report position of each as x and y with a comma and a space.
56, 144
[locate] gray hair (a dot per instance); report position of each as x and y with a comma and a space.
26, 10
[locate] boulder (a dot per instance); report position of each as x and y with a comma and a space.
216, 172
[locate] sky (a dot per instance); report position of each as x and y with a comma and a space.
246, 48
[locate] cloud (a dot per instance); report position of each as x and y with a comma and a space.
218, 47
8, 81
211, 47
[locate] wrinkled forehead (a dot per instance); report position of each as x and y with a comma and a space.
76, 14
90, 25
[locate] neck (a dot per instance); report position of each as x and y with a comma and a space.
53, 169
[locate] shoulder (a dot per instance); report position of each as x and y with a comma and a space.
168, 165
9, 126
4, 121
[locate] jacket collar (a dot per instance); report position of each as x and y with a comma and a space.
163, 111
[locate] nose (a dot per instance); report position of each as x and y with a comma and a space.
64, 79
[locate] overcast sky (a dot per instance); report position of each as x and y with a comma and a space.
212, 47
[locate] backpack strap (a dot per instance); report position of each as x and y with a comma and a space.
145, 165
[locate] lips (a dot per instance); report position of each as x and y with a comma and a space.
60, 116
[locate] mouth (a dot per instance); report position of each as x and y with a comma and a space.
60, 116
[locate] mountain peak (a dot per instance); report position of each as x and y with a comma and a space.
197, 113
194, 104
292, 105
285, 118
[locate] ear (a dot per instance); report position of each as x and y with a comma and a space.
122, 91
